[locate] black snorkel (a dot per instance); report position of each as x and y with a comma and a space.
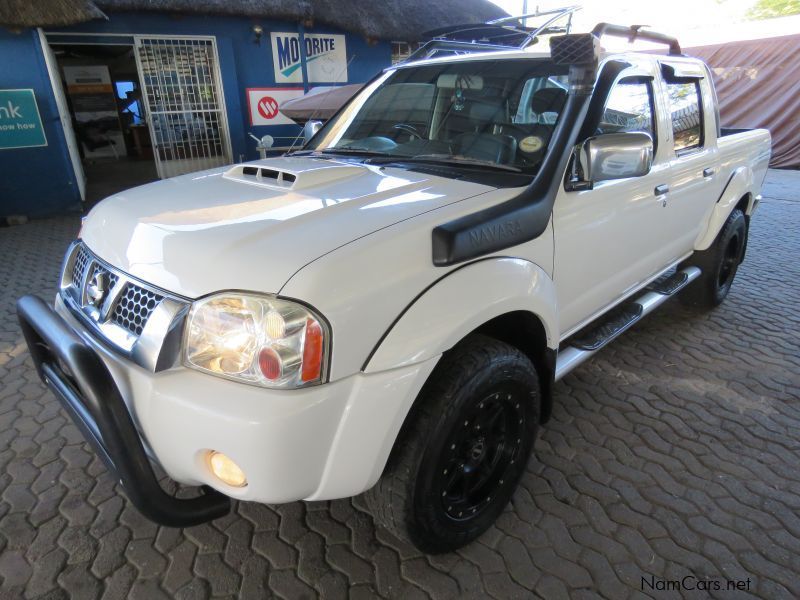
525, 217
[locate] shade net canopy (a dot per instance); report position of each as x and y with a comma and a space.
758, 84
320, 103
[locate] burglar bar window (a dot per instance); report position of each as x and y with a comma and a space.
402, 50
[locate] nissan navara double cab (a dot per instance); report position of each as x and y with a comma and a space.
386, 310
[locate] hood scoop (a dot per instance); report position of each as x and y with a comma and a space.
286, 179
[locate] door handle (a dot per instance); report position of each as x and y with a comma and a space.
662, 189
708, 172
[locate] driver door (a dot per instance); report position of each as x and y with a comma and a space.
608, 238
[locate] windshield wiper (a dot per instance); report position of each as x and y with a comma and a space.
446, 159
327, 152
382, 158
352, 150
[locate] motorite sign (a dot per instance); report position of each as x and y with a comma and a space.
326, 57
265, 103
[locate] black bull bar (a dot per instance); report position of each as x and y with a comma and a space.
86, 389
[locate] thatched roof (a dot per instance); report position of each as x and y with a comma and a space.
47, 13
403, 20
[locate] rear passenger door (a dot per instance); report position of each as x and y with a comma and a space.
695, 184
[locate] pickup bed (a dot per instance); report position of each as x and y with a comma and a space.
386, 310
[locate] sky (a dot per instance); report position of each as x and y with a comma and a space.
694, 22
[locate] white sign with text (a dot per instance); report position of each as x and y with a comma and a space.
326, 57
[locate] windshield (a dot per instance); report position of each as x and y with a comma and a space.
494, 113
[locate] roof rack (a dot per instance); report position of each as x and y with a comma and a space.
511, 33
508, 33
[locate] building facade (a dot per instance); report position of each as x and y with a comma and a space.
92, 108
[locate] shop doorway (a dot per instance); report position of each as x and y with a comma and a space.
136, 108
183, 96
103, 95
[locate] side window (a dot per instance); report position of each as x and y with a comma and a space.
629, 108
687, 118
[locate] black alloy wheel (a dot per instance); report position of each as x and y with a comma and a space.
479, 452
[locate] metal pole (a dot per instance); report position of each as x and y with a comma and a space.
524, 12
301, 30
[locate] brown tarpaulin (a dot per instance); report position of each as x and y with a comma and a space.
758, 84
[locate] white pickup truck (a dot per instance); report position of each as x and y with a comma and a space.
387, 310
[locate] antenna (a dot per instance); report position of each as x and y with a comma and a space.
316, 111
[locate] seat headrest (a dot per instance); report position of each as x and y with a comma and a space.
486, 111
548, 100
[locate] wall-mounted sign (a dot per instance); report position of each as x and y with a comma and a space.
264, 105
326, 58
20, 123
94, 106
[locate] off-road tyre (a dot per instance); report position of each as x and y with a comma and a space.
718, 264
442, 452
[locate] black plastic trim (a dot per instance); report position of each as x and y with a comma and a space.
548, 380
726, 186
86, 389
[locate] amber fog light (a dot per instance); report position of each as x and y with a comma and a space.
226, 470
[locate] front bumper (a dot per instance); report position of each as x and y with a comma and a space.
322, 442
85, 388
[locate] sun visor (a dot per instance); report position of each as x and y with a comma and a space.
465, 82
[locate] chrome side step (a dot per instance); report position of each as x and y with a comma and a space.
582, 347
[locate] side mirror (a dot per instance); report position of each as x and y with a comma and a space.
616, 156
310, 129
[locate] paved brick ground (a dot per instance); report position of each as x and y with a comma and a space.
675, 452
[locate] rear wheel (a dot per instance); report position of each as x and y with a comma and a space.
464, 448
718, 264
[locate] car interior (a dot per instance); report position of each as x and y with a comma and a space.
490, 119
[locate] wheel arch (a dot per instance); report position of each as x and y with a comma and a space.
518, 308
463, 301
738, 193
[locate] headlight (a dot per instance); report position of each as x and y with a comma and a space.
256, 339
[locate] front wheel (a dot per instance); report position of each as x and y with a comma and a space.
463, 449
718, 264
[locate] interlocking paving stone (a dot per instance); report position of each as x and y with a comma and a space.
675, 451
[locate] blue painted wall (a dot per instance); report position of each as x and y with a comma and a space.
34, 181
243, 64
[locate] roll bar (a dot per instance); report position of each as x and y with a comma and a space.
635, 32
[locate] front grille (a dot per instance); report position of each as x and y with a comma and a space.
134, 307
120, 310
112, 278
80, 266
131, 305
